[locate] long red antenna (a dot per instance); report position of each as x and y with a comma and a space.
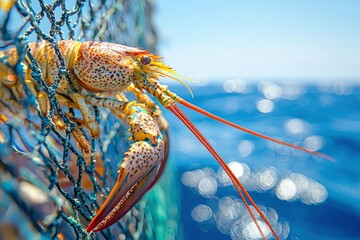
239, 187
208, 114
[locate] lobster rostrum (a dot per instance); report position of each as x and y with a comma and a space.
101, 73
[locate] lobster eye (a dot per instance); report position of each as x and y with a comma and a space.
145, 60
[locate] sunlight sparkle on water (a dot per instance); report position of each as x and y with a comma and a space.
229, 208
203, 180
309, 191
341, 88
245, 148
267, 179
298, 186
251, 232
265, 105
270, 90
192, 178
286, 190
240, 170
295, 126
235, 85
337, 87
317, 195
207, 187
313, 143
201, 213
229, 213
292, 91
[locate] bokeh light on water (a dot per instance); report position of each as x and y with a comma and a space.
203, 180
300, 189
267, 179
201, 213
245, 148
313, 143
265, 105
269, 90
298, 186
230, 214
240, 170
235, 85
295, 126
286, 190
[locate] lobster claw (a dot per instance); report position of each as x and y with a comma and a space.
134, 180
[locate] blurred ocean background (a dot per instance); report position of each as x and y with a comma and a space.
287, 69
304, 196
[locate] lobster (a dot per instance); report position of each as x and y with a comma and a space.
101, 72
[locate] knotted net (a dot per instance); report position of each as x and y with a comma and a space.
48, 187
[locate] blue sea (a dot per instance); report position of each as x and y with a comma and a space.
304, 196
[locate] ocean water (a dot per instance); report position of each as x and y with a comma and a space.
303, 196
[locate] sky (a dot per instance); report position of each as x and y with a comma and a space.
261, 38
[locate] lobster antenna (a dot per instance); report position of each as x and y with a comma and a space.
239, 187
174, 78
210, 115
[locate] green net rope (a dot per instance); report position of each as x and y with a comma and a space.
46, 181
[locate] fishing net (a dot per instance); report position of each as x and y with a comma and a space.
48, 187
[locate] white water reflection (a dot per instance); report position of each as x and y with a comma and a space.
203, 180
286, 190
270, 90
292, 91
207, 187
265, 105
267, 179
250, 231
235, 85
295, 126
313, 143
337, 87
192, 178
201, 213
230, 214
298, 186
245, 148
240, 170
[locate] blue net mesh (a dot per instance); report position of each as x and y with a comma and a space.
48, 187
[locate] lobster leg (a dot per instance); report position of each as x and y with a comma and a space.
2, 120
85, 111
140, 164
163, 124
77, 134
